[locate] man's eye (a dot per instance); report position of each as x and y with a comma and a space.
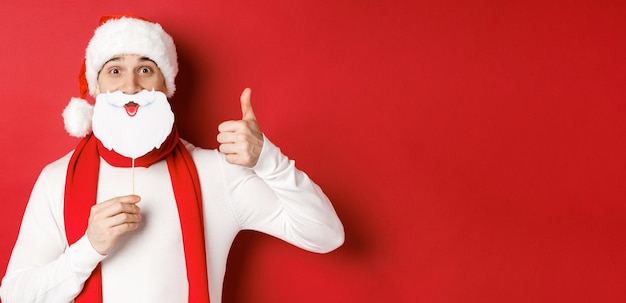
114, 71
145, 70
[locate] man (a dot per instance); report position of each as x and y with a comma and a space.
135, 214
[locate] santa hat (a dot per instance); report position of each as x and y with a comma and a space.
117, 35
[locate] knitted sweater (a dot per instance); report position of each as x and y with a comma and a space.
148, 264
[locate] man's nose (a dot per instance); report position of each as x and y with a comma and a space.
131, 84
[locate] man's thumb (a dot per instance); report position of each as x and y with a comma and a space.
246, 105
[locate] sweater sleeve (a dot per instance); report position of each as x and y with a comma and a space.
43, 268
278, 199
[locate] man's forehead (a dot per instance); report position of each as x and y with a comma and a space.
123, 58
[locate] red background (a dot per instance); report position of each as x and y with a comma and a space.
475, 150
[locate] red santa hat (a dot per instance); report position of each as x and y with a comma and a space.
118, 35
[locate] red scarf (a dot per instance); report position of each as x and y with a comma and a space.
80, 196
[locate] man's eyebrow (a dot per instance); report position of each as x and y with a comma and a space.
147, 59
111, 60
119, 59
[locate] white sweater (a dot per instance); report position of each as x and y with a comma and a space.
148, 264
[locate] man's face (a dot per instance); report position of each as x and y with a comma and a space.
132, 114
130, 74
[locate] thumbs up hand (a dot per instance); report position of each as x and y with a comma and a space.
241, 140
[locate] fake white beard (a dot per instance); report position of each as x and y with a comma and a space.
132, 134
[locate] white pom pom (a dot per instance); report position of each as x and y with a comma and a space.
77, 117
